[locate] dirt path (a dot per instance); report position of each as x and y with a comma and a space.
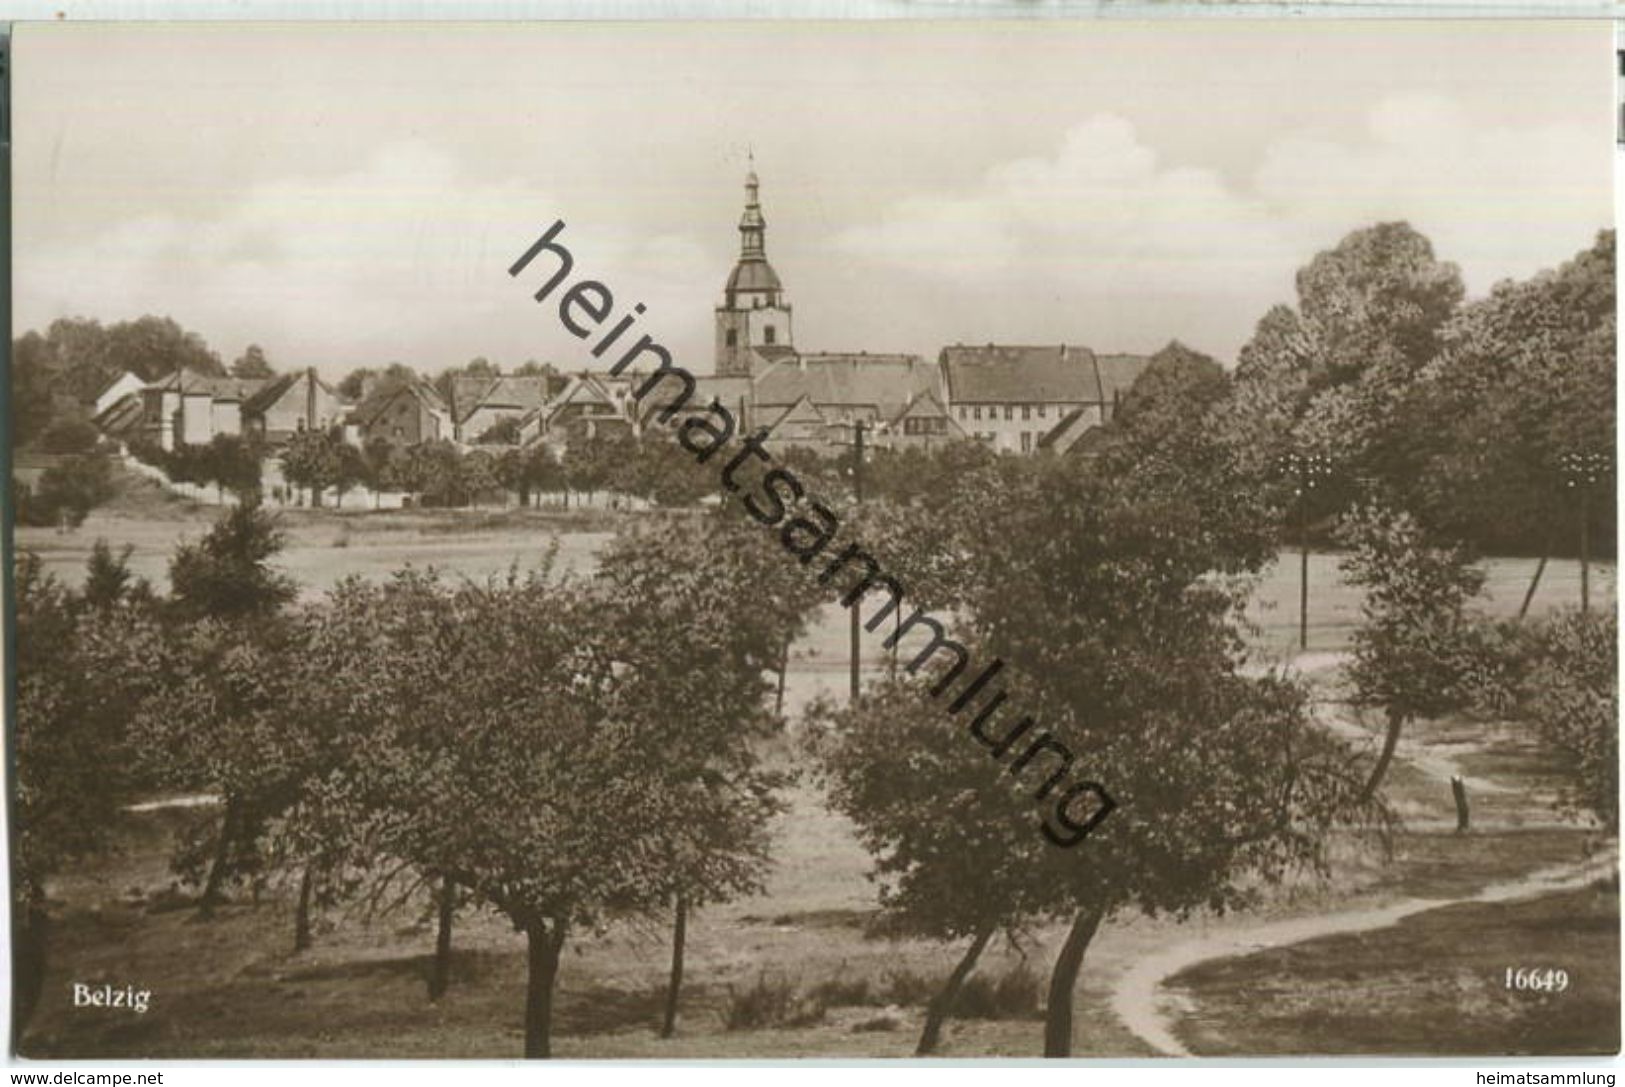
1138, 998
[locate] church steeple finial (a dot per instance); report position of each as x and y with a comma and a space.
752, 226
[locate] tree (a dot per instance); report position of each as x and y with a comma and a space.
68, 491
494, 756
227, 574
1411, 651
81, 668
1524, 377
233, 464
1566, 684
252, 364
351, 470
221, 717
678, 637
311, 460
1327, 377
477, 475
1154, 774
70, 436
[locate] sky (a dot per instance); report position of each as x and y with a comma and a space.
351, 196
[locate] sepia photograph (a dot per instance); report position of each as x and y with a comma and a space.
762, 540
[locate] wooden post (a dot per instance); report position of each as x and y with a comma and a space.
1458, 788
1585, 549
857, 499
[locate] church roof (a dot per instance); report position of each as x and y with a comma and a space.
884, 382
753, 275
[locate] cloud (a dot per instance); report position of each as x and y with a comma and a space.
402, 258
1498, 198
1138, 250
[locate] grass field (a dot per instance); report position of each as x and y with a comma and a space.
233, 986
1433, 985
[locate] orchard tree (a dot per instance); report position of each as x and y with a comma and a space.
495, 757
678, 637
81, 668
1412, 650
311, 460
1205, 781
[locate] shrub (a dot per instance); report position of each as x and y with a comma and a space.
1011, 995
67, 492
770, 1002
845, 992
70, 436
909, 988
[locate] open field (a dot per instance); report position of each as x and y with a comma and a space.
1434, 984
233, 987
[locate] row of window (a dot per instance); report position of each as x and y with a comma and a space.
1029, 438
1009, 411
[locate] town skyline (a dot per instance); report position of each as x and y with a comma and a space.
999, 206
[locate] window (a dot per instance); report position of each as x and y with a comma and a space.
976, 413
1026, 412
962, 411
733, 337
1026, 441
768, 334
1009, 412
1040, 411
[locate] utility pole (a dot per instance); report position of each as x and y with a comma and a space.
857, 500
1582, 472
1308, 470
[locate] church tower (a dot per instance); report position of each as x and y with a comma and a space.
753, 312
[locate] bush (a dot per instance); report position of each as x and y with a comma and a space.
845, 992
66, 493
70, 436
771, 1002
1568, 690
1011, 995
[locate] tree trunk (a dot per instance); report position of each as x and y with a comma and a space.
301, 915
784, 666
217, 868
1062, 983
1534, 583
544, 948
679, 936
942, 1005
440, 969
1396, 721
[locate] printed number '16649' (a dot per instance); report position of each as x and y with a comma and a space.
1537, 980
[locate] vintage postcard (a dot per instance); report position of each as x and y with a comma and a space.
774, 540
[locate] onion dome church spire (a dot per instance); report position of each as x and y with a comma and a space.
753, 282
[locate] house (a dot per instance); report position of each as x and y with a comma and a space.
475, 410
590, 406
800, 424
401, 413
1011, 396
292, 403
845, 389
924, 424
120, 388
188, 408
